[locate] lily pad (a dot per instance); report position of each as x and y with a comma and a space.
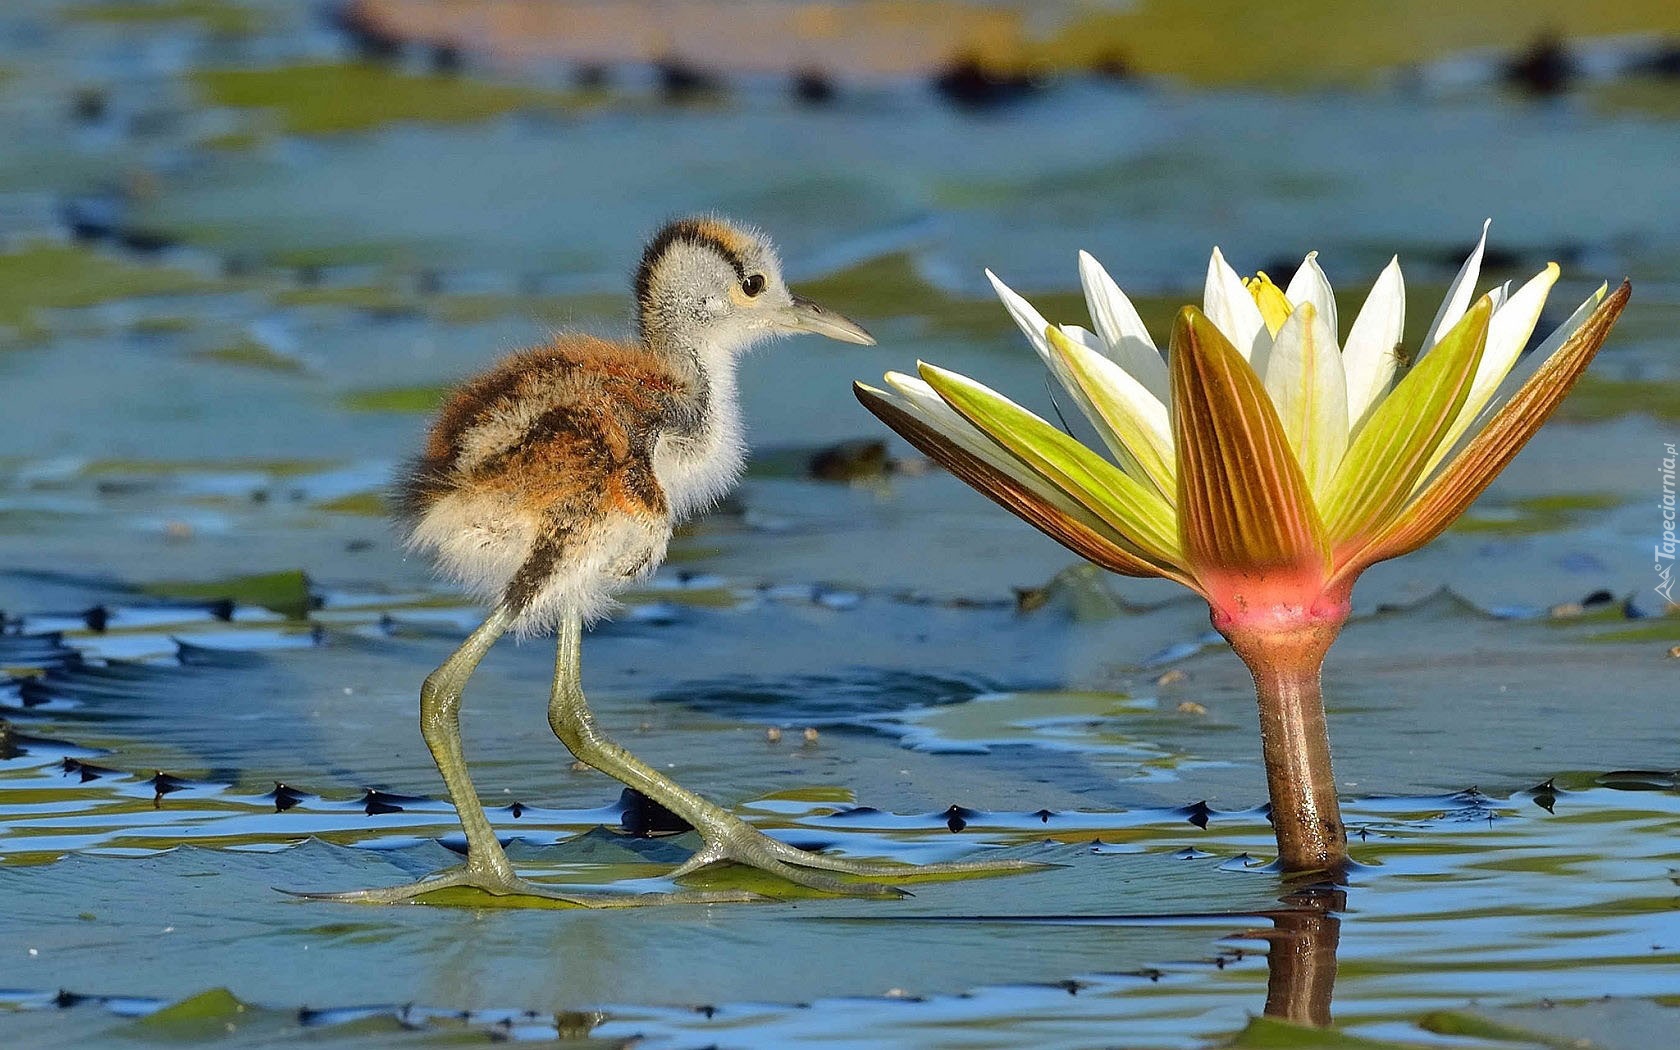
50, 276
286, 593
325, 98
1269, 1032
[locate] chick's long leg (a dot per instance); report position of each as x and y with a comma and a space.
487, 866
727, 837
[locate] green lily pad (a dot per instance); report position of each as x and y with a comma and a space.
284, 592
413, 399
329, 98
1603, 1024
251, 354
1266, 1033
219, 16
205, 1015
49, 276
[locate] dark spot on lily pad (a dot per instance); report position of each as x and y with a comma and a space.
284, 797
86, 771
376, 802
681, 81
163, 784
641, 817
813, 87
850, 460
958, 818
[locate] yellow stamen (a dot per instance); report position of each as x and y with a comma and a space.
1274, 305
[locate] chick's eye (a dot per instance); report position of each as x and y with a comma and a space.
753, 284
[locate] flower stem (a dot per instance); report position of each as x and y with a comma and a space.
1295, 741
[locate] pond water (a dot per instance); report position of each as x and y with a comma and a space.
228, 298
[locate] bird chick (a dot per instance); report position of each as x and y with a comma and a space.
554, 479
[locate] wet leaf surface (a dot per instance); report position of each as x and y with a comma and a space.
211, 645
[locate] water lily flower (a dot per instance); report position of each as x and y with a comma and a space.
1265, 462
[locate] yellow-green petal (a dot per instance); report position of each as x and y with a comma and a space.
1059, 518
912, 395
1138, 430
1124, 502
1394, 446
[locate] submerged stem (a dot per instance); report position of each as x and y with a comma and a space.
1294, 739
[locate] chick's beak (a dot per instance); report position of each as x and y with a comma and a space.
802, 315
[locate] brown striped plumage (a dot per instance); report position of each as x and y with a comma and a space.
570, 424
544, 453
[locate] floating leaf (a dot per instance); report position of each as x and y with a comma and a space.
1264, 1033
285, 592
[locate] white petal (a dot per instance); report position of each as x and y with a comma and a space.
1309, 285
1117, 321
1305, 378
1231, 308
1030, 320
1458, 295
1508, 333
1509, 330
1085, 337
1371, 352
